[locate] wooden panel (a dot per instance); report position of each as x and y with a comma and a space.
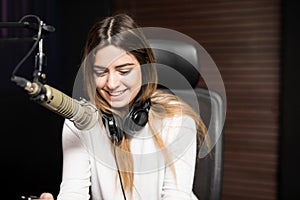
243, 38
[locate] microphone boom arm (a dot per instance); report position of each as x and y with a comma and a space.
83, 114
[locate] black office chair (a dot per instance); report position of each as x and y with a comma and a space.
176, 61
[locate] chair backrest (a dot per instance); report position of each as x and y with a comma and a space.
178, 71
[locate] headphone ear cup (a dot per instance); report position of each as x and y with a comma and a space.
140, 118
135, 122
112, 123
137, 118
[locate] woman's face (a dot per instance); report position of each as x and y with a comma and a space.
117, 75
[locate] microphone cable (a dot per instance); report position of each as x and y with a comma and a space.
39, 36
118, 169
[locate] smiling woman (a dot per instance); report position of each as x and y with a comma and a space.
121, 79
145, 146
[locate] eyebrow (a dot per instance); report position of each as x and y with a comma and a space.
118, 66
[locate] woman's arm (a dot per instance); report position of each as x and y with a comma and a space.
182, 148
76, 166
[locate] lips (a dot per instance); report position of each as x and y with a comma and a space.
116, 93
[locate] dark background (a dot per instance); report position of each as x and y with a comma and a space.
31, 135
289, 152
31, 154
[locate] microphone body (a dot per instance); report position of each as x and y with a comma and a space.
82, 113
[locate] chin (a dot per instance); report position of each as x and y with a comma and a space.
119, 104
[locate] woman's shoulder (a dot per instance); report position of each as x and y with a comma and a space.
177, 129
70, 126
179, 120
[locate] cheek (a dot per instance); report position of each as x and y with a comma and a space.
100, 82
134, 80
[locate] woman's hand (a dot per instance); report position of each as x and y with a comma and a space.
46, 196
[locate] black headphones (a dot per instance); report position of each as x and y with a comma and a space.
133, 121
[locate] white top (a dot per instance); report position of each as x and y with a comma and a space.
88, 161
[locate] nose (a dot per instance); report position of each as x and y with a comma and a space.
112, 81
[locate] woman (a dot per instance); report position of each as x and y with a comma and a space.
145, 144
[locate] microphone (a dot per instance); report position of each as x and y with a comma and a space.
82, 113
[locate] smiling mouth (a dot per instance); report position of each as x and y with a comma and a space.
117, 93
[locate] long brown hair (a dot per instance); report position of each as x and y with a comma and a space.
121, 31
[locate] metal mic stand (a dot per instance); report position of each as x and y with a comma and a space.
40, 63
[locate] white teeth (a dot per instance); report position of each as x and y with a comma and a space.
116, 93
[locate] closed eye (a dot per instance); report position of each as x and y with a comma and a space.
124, 71
100, 73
